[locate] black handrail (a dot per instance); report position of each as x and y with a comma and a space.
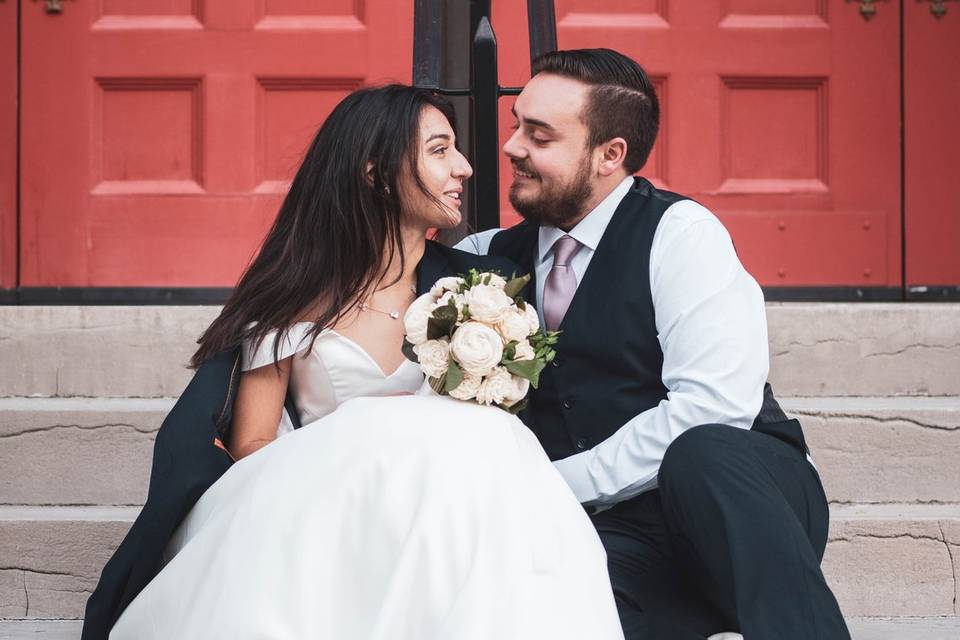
484, 91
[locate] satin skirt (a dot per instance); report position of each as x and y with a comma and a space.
411, 517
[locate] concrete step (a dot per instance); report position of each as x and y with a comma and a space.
816, 349
882, 560
54, 450
62, 451
894, 560
899, 449
860, 629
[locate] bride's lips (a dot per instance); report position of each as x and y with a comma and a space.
453, 196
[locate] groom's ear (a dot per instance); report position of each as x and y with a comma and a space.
612, 154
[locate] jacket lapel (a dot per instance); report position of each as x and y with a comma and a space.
433, 266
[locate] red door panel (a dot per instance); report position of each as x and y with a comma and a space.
8, 145
157, 152
932, 139
782, 116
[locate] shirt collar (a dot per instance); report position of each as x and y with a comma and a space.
589, 230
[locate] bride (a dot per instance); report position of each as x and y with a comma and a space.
389, 514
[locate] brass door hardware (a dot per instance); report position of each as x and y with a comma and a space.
868, 8
938, 7
53, 6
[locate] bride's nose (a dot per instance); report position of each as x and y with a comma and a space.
461, 168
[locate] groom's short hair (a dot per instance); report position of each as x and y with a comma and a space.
622, 102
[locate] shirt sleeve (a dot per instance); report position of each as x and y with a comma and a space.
712, 329
477, 243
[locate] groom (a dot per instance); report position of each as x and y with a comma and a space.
655, 410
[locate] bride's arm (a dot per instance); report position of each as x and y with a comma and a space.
258, 407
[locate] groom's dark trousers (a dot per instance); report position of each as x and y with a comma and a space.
685, 559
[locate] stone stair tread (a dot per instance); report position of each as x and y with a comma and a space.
874, 403
947, 628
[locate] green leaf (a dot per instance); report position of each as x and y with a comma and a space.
441, 322
529, 369
407, 350
516, 285
509, 351
515, 408
454, 376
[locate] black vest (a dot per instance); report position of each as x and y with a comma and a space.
609, 363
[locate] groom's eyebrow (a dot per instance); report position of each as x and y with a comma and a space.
533, 122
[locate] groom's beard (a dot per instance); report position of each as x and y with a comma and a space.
556, 206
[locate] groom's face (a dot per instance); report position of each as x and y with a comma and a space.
553, 169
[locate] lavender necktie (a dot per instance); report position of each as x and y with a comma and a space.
561, 282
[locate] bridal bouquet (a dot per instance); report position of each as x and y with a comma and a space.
475, 338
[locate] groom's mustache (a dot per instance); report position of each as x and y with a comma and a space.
524, 168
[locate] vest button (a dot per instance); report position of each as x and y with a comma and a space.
582, 443
568, 403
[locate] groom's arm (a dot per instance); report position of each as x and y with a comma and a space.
712, 328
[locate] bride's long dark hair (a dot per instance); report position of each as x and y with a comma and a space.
339, 227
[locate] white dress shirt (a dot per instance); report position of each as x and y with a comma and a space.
712, 328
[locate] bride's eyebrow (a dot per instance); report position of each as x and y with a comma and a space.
437, 135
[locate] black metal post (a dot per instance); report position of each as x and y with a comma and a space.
427, 43
484, 123
542, 25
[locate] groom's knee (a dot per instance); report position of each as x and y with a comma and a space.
696, 456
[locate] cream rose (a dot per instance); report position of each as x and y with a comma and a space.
416, 317
487, 303
533, 320
496, 281
495, 387
516, 392
501, 387
467, 389
445, 299
434, 356
514, 326
477, 348
450, 283
524, 351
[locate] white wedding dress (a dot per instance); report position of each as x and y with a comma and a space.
386, 516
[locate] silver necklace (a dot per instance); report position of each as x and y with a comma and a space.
394, 315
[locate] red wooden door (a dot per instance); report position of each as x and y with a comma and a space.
932, 139
8, 145
782, 116
158, 135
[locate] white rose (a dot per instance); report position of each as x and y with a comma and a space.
503, 388
445, 299
516, 392
433, 356
524, 351
416, 317
495, 387
514, 326
467, 389
450, 283
477, 348
496, 280
487, 303
533, 320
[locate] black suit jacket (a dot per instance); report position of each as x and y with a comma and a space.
187, 459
